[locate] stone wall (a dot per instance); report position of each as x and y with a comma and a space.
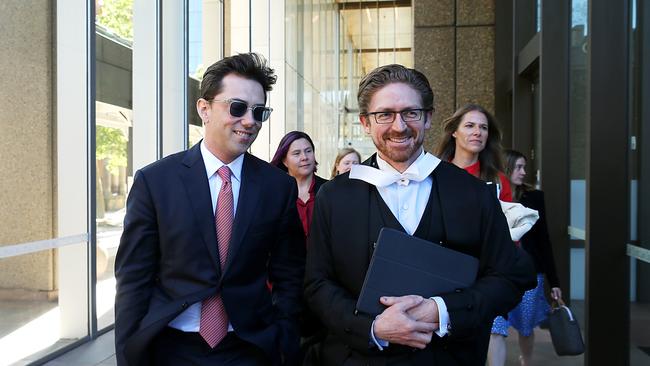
26, 144
454, 48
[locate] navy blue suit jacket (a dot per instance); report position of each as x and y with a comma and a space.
168, 257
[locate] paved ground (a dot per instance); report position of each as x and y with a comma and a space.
102, 353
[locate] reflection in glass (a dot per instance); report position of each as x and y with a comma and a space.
311, 91
114, 145
33, 323
205, 46
639, 169
577, 142
372, 34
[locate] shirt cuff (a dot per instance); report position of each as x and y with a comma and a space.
443, 317
380, 343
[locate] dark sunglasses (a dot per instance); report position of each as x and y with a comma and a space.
239, 108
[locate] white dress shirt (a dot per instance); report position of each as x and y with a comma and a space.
407, 195
189, 320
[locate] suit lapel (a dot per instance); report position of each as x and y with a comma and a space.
375, 221
447, 207
198, 193
249, 192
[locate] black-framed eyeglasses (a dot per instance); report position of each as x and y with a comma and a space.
238, 108
408, 115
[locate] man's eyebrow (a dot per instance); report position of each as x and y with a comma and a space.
387, 109
245, 101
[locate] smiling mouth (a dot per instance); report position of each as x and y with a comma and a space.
399, 140
243, 134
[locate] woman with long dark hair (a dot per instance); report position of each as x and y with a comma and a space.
472, 141
533, 308
296, 156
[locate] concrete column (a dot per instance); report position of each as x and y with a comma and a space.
26, 145
145, 83
72, 89
174, 78
454, 47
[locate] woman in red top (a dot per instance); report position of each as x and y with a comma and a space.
295, 155
472, 141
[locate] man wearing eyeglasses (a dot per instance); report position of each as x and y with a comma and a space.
405, 188
204, 232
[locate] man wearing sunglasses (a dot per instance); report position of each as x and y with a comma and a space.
405, 188
204, 232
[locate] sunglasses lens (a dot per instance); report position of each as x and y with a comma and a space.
237, 108
261, 114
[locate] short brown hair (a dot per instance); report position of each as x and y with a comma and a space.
248, 65
388, 74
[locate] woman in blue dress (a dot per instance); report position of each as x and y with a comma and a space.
533, 308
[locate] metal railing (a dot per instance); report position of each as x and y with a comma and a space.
40, 245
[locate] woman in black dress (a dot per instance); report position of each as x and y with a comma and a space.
533, 308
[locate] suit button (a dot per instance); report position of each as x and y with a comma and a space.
346, 330
356, 312
469, 307
458, 290
184, 306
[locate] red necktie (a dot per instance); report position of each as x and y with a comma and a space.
214, 320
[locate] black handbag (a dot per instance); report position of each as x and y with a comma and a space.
565, 331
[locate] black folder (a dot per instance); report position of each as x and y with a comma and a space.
406, 265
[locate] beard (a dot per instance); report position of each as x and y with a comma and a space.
399, 154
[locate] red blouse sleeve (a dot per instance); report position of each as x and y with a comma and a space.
506, 192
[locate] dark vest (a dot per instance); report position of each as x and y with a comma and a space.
431, 226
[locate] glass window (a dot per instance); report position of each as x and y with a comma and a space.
372, 33
639, 159
37, 321
41, 308
539, 15
114, 142
205, 46
577, 138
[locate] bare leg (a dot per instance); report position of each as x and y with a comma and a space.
526, 345
497, 350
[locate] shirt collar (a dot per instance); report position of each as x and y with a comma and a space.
212, 163
386, 175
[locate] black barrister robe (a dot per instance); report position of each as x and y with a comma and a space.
463, 213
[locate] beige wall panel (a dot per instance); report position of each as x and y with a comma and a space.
434, 56
32, 272
474, 12
475, 66
26, 139
433, 12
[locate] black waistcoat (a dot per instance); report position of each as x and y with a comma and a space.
431, 226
